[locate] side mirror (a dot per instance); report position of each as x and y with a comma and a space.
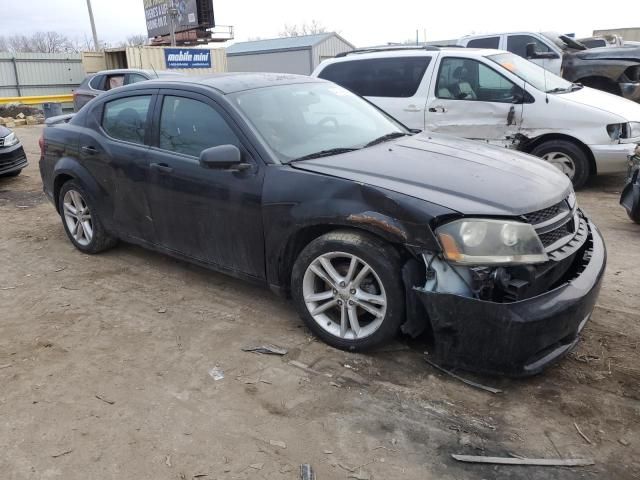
223, 157
533, 54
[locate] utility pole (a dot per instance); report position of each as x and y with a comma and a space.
173, 16
93, 27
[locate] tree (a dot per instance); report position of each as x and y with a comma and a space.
135, 41
295, 30
41, 42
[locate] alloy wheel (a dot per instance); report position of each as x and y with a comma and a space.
78, 217
344, 295
562, 162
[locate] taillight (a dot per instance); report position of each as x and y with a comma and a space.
41, 144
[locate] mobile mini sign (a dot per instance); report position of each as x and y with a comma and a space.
187, 58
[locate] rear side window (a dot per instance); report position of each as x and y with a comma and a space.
126, 118
135, 78
379, 77
518, 44
488, 42
97, 82
189, 126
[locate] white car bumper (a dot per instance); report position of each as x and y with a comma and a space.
612, 158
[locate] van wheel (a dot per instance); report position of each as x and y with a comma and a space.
567, 157
81, 221
347, 288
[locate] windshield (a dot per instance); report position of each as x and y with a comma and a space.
309, 119
531, 73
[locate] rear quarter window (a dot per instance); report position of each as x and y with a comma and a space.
397, 77
97, 82
488, 42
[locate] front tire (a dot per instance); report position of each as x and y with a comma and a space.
567, 157
81, 221
347, 288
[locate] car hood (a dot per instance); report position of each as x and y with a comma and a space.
463, 175
614, 53
607, 102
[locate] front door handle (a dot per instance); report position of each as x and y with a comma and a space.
161, 167
437, 109
90, 149
412, 109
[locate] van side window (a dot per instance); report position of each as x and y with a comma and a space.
518, 44
397, 77
488, 42
467, 79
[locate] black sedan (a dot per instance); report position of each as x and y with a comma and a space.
12, 156
298, 184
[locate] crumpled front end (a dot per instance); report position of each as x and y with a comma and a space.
516, 320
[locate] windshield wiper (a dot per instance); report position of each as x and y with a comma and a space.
385, 138
325, 153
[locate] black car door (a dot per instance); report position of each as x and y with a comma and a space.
115, 151
213, 215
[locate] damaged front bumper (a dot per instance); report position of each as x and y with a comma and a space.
517, 338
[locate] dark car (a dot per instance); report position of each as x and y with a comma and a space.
12, 156
630, 198
296, 183
98, 83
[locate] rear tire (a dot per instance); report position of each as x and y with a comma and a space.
81, 221
347, 287
568, 157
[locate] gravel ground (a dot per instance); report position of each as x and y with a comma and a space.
105, 361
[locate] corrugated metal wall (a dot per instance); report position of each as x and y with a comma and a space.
329, 48
291, 61
25, 74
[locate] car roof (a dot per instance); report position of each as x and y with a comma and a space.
412, 52
235, 81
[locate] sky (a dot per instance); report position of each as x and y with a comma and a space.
362, 23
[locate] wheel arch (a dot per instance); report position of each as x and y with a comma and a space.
70, 169
531, 144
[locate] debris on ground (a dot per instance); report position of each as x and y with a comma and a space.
277, 443
306, 472
463, 380
257, 466
162, 310
586, 439
544, 462
167, 461
5, 366
66, 452
623, 442
308, 369
267, 349
105, 400
216, 373
359, 475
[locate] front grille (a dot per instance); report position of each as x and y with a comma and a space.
12, 159
548, 213
2, 142
553, 236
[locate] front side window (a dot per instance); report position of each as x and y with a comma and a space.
397, 77
310, 118
190, 126
467, 79
488, 42
518, 44
126, 118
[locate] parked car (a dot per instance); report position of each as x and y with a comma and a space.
602, 41
12, 156
297, 183
497, 97
630, 198
98, 83
612, 69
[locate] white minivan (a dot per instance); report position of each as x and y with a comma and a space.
497, 97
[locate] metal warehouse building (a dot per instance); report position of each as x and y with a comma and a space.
299, 55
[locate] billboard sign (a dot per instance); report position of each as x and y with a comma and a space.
156, 13
187, 58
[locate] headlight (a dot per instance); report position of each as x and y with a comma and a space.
616, 130
634, 129
490, 242
11, 140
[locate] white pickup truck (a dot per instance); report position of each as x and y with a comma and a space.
498, 97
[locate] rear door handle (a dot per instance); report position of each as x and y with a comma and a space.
437, 109
91, 150
161, 167
412, 109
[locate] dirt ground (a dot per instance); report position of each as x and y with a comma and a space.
105, 361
